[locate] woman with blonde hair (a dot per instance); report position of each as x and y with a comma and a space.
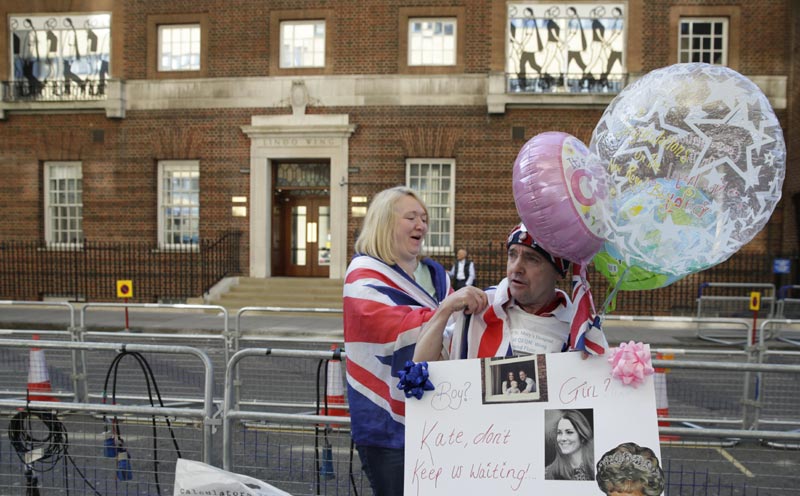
391, 295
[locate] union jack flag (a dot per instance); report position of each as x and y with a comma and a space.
384, 311
585, 332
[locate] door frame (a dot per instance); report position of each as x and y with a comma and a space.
276, 137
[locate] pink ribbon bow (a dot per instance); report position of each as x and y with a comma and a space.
631, 363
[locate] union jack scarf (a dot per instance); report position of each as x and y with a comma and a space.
585, 332
384, 310
486, 334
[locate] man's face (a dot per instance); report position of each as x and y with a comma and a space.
531, 277
523, 375
462, 254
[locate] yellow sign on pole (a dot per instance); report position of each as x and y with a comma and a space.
125, 289
755, 301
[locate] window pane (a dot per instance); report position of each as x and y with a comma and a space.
432, 42
431, 179
302, 44
179, 47
64, 207
702, 28
179, 203
705, 40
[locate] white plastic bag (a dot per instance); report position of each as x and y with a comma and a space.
196, 478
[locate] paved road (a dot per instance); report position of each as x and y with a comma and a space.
744, 469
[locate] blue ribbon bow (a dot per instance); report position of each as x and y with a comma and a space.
414, 379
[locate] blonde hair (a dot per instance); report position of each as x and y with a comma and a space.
377, 235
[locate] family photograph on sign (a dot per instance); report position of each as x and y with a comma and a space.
514, 379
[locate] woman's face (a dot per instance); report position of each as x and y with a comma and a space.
511, 376
567, 437
410, 227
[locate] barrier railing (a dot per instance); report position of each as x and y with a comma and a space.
785, 330
110, 447
331, 435
737, 303
746, 399
787, 307
60, 304
720, 399
732, 303
720, 330
156, 306
205, 413
270, 337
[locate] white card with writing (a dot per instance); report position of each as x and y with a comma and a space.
468, 436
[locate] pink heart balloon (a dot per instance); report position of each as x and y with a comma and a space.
560, 194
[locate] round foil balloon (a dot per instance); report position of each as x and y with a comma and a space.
695, 159
558, 192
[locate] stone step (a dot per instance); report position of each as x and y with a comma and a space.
288, 292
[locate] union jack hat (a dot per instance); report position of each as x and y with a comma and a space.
520, 236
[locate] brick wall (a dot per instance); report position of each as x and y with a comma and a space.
120, 170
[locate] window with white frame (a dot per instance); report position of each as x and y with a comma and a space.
302, 44
179, 47
63, 203
432, 41
179, 203
433, 180
703, 39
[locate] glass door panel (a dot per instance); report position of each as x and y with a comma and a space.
298, 241
324, 243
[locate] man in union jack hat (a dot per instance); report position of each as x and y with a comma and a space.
527, 313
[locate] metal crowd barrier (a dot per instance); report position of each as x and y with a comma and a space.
268, 339
727, 331
300, 452
732, 415
787, 306
117, 446
732, 304
65, 305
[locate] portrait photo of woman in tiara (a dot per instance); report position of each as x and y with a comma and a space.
630, 470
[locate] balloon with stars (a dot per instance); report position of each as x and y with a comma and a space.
695, 159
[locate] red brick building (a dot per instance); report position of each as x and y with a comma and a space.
173, 122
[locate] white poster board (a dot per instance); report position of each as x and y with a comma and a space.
468, 437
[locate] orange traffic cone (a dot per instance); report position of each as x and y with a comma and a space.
335, 389
662, 402
38, 378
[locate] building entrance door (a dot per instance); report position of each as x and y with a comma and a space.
302, 237
306, 250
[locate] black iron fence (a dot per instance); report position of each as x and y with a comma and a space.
30, 271
62, 90
679, 298
565, 83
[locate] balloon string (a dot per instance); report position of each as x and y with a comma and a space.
613, 294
